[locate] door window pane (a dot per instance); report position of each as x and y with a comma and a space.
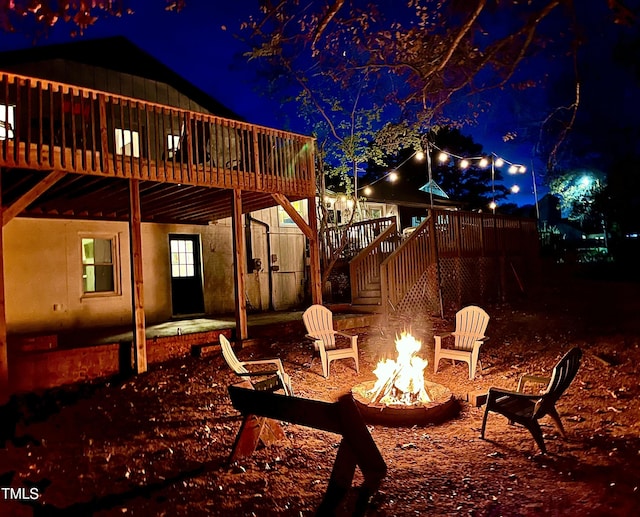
182, 258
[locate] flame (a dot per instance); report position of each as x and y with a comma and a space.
401, 381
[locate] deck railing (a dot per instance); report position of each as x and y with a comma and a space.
357, 235
402, 268
47, 125
364, 269
462, 255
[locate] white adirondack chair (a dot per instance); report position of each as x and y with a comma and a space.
318, 321
270, 380
468, 337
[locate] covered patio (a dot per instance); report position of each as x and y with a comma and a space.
76, 153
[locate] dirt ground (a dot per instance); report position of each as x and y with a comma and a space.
157, 444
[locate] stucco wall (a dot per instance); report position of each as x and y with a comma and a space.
43, 271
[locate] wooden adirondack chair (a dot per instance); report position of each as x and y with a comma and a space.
263, 380
471, 324
527, 409
318, 321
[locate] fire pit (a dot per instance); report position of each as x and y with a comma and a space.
400, 396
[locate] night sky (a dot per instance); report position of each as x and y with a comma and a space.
196, 45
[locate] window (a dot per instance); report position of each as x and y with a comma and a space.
283, 217
99, 265
7, 121
182, 259
127, 142
375, 213
173, 145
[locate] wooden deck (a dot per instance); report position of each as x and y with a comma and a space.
47, 126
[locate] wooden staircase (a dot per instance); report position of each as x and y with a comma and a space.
451, 257
364, 271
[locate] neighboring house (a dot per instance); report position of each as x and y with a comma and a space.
130, 189
385, 198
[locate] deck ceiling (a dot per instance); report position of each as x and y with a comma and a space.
90, 197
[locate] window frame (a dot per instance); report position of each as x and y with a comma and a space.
115, 264
135, 140
7, 121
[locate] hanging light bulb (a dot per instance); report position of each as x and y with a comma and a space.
499, 162
367, 191
493, 205
484, 162
515, 189
419, 156
522, 169
443, 157
464, 164
393, 176
513, 169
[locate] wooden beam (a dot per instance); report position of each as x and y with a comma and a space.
314, 254
295, 216
4, 362
29, 197
356, 448
239, 260
137, 285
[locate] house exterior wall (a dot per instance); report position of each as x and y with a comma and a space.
99, 78
43, 272
286, 263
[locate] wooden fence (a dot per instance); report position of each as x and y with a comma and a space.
454, 258
47, 125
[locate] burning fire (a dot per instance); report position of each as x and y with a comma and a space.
401, 381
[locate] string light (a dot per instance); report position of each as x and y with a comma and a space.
483, 162
392, 175
464, 162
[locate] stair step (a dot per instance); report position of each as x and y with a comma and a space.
373, 302
369, 293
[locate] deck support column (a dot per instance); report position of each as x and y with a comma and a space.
239, 260
315, 278
137, 285
310, 231
4, 361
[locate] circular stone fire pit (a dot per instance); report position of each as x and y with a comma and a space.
443, 407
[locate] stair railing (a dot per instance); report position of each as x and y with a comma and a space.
403, 267
364, 268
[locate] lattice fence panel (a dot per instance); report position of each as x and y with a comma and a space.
423, 297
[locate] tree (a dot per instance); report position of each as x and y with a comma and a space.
37, 16
579, 192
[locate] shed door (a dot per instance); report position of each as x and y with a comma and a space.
186, 274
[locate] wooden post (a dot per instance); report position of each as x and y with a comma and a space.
356, 448
314, 254
137, 286
4, 361
239, 258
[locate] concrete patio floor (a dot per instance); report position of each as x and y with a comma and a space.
261, 325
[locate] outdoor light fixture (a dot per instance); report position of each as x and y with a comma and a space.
393, 176
499, 162
493, 205
464, 164
515, 189
443, 157
367, 191
419, 155
483, 162
513, 169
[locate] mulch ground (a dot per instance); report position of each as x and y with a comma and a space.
157, 444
